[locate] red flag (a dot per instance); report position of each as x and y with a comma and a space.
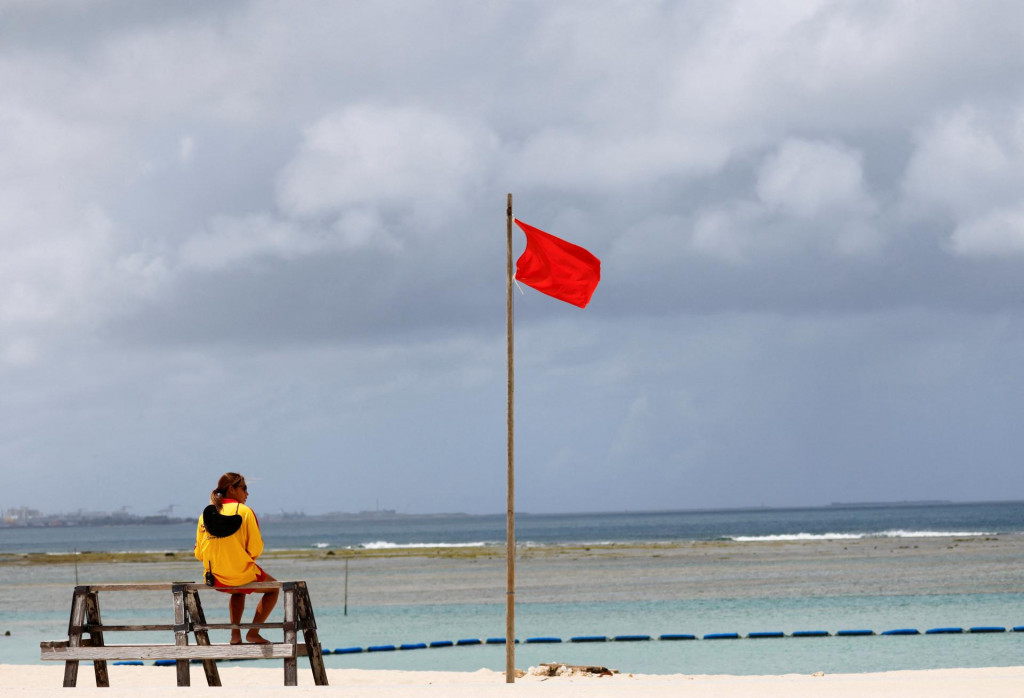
558, 268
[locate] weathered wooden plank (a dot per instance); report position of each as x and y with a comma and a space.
253, 585
237, 626
92, 616
169, 586
291, 674
89, 627
132, 586
276, 650
308, 623
181, 633
188, 618
75, 634
300, 649
194, 607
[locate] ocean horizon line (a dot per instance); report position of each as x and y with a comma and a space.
627, 512
384, 514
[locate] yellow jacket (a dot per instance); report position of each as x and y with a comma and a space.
232, 559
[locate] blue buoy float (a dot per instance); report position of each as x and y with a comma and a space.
848, 632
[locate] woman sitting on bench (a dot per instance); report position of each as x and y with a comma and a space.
228, 541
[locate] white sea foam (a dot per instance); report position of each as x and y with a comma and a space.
387, 545
797, 536
935, 534
858, 536
578, 544
321, 545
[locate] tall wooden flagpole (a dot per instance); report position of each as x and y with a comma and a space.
510, 541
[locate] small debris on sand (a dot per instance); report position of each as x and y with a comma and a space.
556, 669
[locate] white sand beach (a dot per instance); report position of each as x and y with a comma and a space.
45, 680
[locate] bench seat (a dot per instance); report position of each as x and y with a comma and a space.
60, 651
189, 619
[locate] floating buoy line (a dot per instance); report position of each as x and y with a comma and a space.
667, 637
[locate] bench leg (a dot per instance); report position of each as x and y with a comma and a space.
180, 632
92, 612
70, 673
291, 677
75, 634
195, 610
308, 622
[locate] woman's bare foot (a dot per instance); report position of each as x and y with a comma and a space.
253, 637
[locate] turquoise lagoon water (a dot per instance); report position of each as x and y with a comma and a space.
34, 599
396, 625
390, 625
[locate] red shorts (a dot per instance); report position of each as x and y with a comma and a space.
261, 576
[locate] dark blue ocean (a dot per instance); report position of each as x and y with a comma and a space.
892, 520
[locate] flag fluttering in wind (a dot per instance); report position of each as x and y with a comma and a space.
558, 268
563, 271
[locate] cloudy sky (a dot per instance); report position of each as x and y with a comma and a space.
270, 237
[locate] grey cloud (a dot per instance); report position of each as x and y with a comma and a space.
241, 233
408, 157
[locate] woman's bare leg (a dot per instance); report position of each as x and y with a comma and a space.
236, 606
263, 609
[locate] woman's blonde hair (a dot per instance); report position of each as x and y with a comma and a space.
227, 480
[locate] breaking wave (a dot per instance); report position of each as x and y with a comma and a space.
858, 536
387, 545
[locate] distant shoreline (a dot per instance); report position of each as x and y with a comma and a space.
905, 503
76, 520
58, 521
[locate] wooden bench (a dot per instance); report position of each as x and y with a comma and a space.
188, 618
